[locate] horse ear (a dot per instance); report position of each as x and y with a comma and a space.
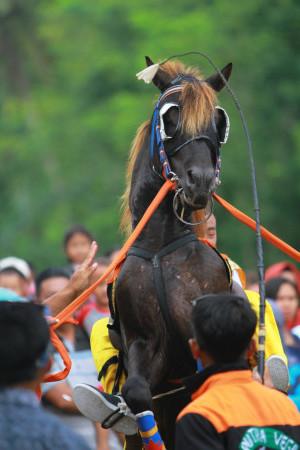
216, 82
161, 79
149, 62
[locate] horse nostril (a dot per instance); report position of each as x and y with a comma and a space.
193, 177
189, 177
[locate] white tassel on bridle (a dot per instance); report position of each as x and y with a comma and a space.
149, 73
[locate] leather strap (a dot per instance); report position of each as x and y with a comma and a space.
181, 347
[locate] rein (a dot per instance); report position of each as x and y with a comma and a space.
115, 266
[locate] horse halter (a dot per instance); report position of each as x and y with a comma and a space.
159, 130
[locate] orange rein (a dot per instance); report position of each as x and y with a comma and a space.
115, 266
293, 253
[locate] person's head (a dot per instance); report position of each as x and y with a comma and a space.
223, 325
284, 269
15, 275
76, 242
285, 293
50, 281
100, 291
211, 230
24, 339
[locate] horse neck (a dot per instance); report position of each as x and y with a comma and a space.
163, 227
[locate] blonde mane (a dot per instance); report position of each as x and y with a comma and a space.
198, 102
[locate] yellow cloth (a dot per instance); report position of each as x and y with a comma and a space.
103, 350
273, 341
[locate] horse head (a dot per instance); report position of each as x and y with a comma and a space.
190, 127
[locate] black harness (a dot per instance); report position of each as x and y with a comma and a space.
156, 258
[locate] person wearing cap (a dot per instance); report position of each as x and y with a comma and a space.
15, 275
24, 360
229, 410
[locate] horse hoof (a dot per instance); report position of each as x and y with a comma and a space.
137, 394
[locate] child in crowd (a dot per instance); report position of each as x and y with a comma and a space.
76, 243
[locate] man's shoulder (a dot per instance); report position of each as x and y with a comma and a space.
59, 434
231, 402
23, 427
55, 430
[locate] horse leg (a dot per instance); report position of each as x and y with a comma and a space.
145, 371
136, 389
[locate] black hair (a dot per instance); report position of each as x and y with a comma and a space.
223, 325
24, 338
274, 284
74, 230
51, 272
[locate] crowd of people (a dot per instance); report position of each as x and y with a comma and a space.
26, 356
18, 281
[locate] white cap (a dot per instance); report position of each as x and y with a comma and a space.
18, 264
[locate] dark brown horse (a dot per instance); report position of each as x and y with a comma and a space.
169, 267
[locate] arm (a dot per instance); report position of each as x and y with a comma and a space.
102, 437
60, 396
194, 432
79, 281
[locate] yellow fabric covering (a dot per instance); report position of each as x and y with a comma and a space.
103, 350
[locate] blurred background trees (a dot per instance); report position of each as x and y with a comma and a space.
70, 105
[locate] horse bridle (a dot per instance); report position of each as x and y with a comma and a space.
158, 131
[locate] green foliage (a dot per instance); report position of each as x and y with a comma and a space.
70, 105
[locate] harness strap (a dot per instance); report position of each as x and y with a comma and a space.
196, 138
109, 362
176, 244
116, 359
161, 294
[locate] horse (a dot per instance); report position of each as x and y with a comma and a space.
169, 267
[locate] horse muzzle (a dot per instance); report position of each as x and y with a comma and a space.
198, 187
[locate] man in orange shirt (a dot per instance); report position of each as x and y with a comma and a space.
229, 410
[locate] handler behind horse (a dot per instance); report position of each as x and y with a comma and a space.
229, 410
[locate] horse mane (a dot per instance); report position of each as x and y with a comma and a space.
198, 102
134, 150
